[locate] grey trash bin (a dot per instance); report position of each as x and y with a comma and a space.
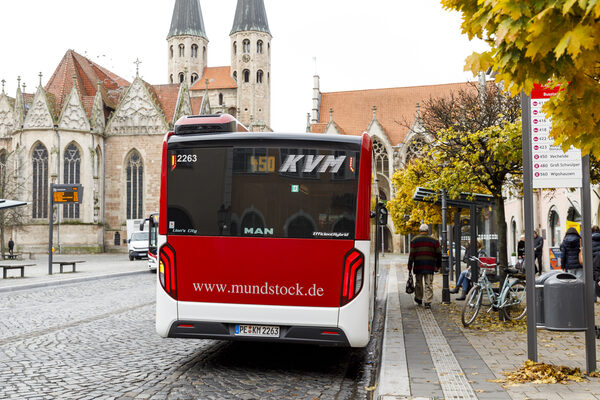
539, 296
563, 303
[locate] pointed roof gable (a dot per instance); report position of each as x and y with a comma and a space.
139, 112
395, 108
187, 19
218, 78
73, 115
7, 118
39, 114
250, 15
87, 75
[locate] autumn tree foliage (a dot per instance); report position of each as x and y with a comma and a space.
473, 146
539, 41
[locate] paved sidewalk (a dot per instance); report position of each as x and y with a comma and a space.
95, 266
427, 354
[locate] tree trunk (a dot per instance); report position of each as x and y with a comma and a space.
502, 237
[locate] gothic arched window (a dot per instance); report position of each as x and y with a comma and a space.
246, 44
194, 78
246, 75
259, 47
135, 185
235, 76
415, 148
234, 48
194, 51
220, 99
181, 77
171, 51
181, 50
259, 76
381, 158
171, 78
72, 174
39, 161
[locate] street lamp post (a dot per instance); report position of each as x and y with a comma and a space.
445, 282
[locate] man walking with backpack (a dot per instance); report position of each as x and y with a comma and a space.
424, 259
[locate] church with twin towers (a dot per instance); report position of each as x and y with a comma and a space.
87, 125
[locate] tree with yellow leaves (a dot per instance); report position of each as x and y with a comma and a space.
539, 41
473, 146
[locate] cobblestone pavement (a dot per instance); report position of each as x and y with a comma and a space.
96, 339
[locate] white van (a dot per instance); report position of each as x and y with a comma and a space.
138, 245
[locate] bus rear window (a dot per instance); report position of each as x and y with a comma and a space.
262, 192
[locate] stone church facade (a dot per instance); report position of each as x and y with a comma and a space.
89, 126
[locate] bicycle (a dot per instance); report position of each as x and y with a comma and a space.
509, 300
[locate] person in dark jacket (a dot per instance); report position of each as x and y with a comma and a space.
595, 240
596, 257
538, 245
521, 247
569, 257
424, 259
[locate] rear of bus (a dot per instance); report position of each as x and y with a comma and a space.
265, 237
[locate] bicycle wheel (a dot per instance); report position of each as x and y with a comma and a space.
471, 306
515, 301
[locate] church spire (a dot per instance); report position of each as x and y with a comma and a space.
250, 15
187, 19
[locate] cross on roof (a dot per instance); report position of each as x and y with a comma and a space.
40, 75
137, 63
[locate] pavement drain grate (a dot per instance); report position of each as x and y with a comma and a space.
452, 378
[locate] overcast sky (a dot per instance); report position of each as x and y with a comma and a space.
357, 44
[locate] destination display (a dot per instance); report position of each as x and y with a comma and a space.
66, 193
551, 166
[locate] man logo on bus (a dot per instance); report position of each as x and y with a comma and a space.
258, 231
311, 162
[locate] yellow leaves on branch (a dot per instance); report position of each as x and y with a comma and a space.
533, 372
538, 41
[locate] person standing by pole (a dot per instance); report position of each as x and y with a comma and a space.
424, 259
538, 245
11, 246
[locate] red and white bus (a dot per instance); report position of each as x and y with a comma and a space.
264, 236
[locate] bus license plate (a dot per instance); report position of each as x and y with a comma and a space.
257, 330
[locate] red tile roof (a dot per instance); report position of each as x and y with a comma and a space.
221, 79
196, 104
396, 107
87, 74
166, 95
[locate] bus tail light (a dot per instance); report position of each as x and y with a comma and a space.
352, 281
166, 270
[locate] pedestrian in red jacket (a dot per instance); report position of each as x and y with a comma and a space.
424, 259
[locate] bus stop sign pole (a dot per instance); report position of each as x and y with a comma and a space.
60, 194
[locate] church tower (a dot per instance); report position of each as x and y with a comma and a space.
187, 43
251, 63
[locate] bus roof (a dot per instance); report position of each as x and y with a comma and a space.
267, 137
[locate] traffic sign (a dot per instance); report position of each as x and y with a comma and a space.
551, 166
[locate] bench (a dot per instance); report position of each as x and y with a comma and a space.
63, 263
21, 266
13, 256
